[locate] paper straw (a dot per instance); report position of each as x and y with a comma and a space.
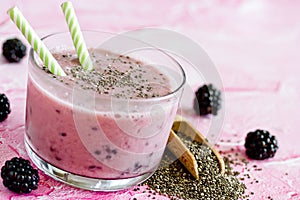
35, 42
77, 37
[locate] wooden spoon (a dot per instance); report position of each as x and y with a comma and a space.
184, 155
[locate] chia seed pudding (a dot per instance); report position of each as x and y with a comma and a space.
103, 123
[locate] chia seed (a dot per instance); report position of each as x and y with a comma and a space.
108, 78
174, 181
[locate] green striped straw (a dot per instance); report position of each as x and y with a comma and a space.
35, 42
77, 37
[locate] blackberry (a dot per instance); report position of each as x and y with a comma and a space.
4, 107
207, 100
13, 50
260, 145
19, 176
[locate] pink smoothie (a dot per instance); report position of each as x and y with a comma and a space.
110, 123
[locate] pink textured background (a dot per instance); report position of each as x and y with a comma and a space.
254, 45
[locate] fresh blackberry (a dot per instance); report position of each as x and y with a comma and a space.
207, 100
4, 107
19, 176
260, 145
13, 50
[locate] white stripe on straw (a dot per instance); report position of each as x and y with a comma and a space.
77, 37
35, 42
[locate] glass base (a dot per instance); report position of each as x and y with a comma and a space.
82, 182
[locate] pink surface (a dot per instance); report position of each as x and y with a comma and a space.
254, 44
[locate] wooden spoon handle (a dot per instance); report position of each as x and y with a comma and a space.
181, 152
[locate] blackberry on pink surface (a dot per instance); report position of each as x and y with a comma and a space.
260, 145
207, 100
19, 176
13, 50
4, 107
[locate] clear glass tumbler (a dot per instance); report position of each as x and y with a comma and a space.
95, 142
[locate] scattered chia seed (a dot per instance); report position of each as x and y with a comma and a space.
175, 181
63, 134
248, 170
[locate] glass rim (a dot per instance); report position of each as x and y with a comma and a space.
33, 59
